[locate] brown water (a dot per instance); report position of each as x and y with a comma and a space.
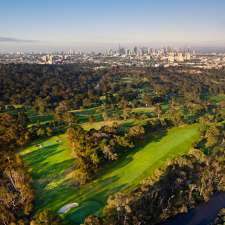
201, 215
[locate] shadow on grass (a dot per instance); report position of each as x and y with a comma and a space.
51, 183
92, 197
53, 172
127, 124
47, 176
127, 156
94, 201
37, 156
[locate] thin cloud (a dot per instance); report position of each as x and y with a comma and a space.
15, 40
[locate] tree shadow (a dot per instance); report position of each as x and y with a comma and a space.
41, 154
95, 201
127, 124
127, 156
50, 182
55, 171
92, 197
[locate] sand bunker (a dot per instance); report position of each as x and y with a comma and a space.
66, 208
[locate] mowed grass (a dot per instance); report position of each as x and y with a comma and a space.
143, 109
99, 125
217, 98
50, 165
83, 115
123, 123
51, 170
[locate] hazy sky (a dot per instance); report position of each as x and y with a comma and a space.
63, 23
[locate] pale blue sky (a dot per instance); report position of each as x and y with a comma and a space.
103, 22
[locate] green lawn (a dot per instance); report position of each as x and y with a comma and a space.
217, 98
143, 109
123, 123
51, 170
84, 114
98, 125
35, 119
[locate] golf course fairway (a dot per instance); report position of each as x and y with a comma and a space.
51, 167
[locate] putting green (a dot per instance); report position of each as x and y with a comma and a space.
51, 170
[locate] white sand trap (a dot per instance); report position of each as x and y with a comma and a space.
66, 208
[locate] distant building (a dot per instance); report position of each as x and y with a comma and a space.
171, 57
179, 57
187, 56
121, 51
135, 50
47, 59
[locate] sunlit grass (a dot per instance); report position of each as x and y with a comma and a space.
52, 165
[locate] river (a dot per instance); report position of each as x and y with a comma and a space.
204, 214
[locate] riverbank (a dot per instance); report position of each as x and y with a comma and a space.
204, 214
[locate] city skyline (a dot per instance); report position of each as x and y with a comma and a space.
41, 25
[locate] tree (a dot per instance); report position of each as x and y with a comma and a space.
176, 114
147, 100
46, 217
220, 219
16, 195
49, 131
126, 113
70, 118
157, 198
23, 119
85, 152
213, 136
93, 220
41, 132
136, 132
158, 110
40, 105
63, 107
